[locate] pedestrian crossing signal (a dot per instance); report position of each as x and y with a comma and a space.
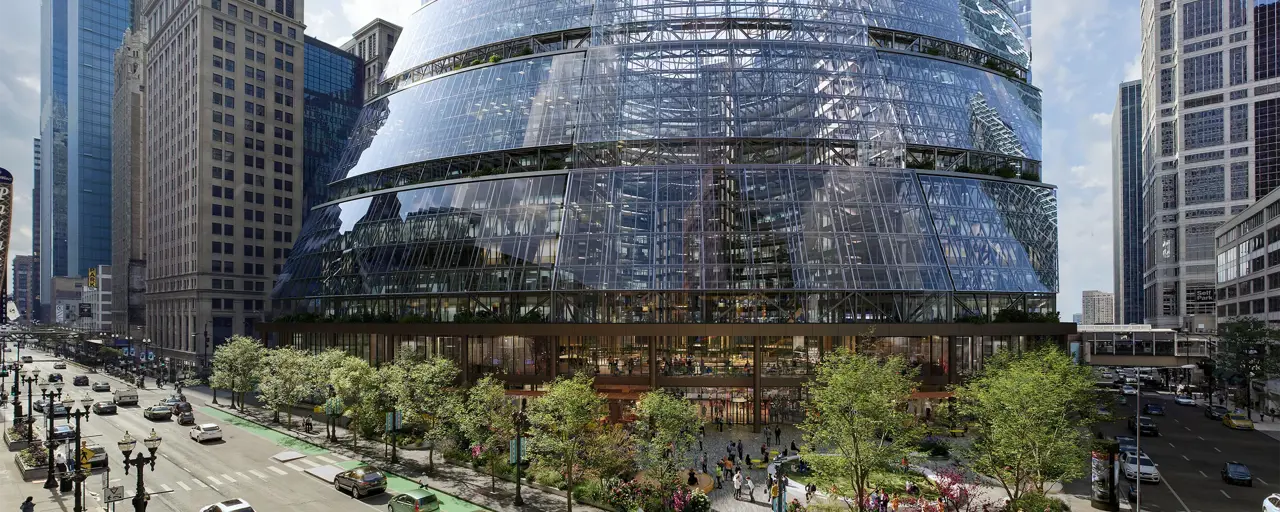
85, 455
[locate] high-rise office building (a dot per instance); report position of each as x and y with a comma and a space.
588, 191
224, 114
78, 44
1126, 190
1098, 308
1211, 142
24, 284
332, 100
128, 261
373, 44
1022, 12
36, 310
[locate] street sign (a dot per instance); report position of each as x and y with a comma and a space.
113, 494
11, 311
511, 450
393, 421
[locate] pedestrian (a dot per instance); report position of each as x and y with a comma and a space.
751, 489
777, 434
719, 423
793, 446
728, 449
874, 499
700, 436
29, 505
718, 473
884, 502
703, 461
773, 494
739, 448
737, 485
764, 451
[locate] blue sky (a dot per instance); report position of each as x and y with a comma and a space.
1083, 49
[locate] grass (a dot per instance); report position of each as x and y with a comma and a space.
893, 482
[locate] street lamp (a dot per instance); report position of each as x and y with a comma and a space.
127, 444
29, 377
521, 421
49, 398
79, 475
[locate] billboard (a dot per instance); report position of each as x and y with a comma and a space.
86, 310
6, 218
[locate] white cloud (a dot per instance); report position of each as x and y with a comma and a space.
1133, 70
1101, 119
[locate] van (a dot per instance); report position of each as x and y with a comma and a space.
125, 396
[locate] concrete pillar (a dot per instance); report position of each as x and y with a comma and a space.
755, 386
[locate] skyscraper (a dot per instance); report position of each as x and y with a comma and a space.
373, 44
1126, 171
36, 310
1098, 308
224, 141
128, 261
1022, 13
1211, 91
331, 103
23, 284
78, 43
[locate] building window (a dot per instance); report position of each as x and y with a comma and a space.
1202, 73
1201, 17
1239, 65
1166, 85
1202, 129
1240, 123
1204, 185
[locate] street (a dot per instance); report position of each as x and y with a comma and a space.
189, 475
1190, 452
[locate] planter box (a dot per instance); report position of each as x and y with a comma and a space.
30, 474
15, 445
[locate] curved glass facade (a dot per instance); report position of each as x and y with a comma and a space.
697, 162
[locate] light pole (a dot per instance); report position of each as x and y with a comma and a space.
127, 444
79, 474
521, 420
49, 398
29, 378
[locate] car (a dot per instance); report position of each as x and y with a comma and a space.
57, 410
1237, 421
1271, 504
98, 457
414, 500
169, 402
102, 386
104, 408
27, 359
38, 405
1215, 412
361, 481
1128, 390
1146, 424
1184, 400
156, 413
126, 396
180, 407
231, 505
1236, 473
1153, 408
1140, 467
205, 432
80, 380
55, 377
186, 418
62, 432
59, 365
177, 397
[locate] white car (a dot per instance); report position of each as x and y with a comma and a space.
1129, 390
1140, 467
1184, 400
1271, 504
206, 432
231, 505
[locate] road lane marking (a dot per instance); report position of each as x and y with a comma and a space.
1188, 428
1264, 482
1184, 457
326, 459
1204, 475
277, 470
258, 474
242, 475
166, 488
214, 480
1172, 446
1201, 438
184, 486
1224, 493
1215, 448
309, 463
339, 456
293, 466
201, 484
228, 478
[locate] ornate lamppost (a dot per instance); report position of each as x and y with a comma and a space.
79, 475
49, 398
29, 377
521, 421
127, 444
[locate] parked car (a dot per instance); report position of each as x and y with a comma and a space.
1271, 504
1184, 400
1128, 390
104, 408
186, 418
1146, 424
231, 505
27, 359
102, 386
80, 380
1236, 473
361, 481
1237, 421
1215, 412
1140, 467
99, 457
62, 432
38, 405
1153, 408
57, 410
60, 365
156, 413
205, 432
414, 500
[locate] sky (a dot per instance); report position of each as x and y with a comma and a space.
1083, 49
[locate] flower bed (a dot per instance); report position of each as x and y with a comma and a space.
33, 462
15, 440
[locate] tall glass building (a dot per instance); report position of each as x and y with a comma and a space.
331, 101
700, 196
78, 43
1126, 190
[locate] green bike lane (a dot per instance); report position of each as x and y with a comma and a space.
395, 483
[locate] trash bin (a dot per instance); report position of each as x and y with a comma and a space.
65, 485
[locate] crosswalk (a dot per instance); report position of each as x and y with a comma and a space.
248, 476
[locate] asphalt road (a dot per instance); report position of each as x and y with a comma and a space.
1190, 452
189, 475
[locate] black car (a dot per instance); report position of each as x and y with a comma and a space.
360, 481
55, 377
64, 432
1215, 412
180, 407
1126, 443
104, 408
186, 418
1154, 409
1147, 425
1237, 473
80, 380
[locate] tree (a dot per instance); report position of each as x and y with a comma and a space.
612, 453
354, 381
858, 424
319, 368
488, 421
424, 390
1031, 413
564, 421
283, 380
235, 367
665, 429
1248, 351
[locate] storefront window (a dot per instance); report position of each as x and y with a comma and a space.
731, 356
783, 356
728, 404
617, 356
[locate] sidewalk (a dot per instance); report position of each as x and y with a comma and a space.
458, 481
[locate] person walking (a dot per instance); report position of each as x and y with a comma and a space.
777, 434
737, 485
29, 505
793, 446
751, 489
773, 496
719, 465
739, 445
764, 450
703, 461
700, 436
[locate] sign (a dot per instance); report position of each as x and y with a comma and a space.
11, 311
511, 450
93, 278
86, 310
393, 421
113, 494
6, 216
85, 455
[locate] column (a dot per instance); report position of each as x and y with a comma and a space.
653, 362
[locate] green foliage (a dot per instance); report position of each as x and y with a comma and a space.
235, 366
934, 446
927, 165
564, 422
110, 353
488, 421
35, 456
1031, 414
1023, 317
424, 391
495, 58
283, 379
858, 423
664, 434
1030, 176
1038, 502
1248, 351
1007, 172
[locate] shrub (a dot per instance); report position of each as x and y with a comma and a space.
493, 59
1039, 502
1006, 172
35, 456
935, 447
591, 490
